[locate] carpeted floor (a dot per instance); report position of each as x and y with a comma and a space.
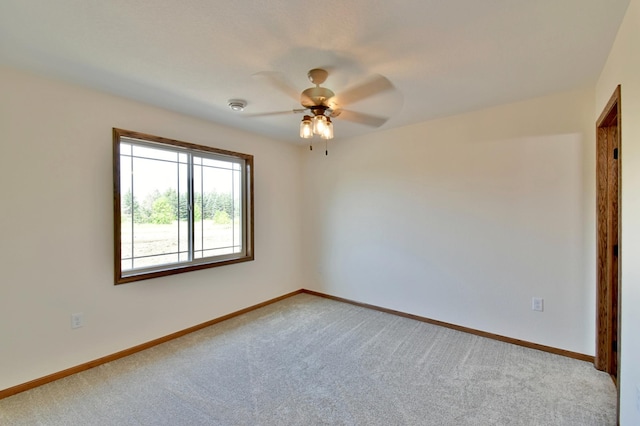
312, 361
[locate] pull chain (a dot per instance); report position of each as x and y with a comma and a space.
326, 147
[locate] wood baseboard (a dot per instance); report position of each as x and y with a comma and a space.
96, 362
550, 349
91, 364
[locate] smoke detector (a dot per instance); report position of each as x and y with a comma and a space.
237, 104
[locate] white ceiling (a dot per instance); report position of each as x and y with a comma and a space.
443, 56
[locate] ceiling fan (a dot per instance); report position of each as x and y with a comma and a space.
321, 104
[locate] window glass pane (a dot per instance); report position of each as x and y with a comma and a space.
127, 208
210, 162
197, 208
218, 208
143, 151
183, 213
184, 250
237, 211
125, 149
155, 226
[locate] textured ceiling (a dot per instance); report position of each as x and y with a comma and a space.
192, 56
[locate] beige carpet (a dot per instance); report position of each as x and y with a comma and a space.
312, 361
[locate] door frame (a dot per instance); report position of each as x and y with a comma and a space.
608, 214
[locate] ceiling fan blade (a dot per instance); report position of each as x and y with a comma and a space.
361, 118
277, 81
372, 86
268, 114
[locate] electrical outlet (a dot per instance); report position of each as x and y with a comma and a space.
537, 304
77, 320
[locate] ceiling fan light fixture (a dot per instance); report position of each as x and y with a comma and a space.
321, 104
237, 104
306, 127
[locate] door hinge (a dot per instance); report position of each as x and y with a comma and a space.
615, 250
614, 346
615, 153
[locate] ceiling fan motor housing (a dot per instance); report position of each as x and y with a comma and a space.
315, 96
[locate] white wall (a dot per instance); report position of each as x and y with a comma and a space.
56, 222
465, 219
623, 67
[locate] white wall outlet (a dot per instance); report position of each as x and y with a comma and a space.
77, 320
537, 304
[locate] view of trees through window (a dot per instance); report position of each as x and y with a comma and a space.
165, 208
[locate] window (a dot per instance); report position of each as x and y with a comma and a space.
178, 207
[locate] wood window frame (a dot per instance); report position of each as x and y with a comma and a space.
247, 199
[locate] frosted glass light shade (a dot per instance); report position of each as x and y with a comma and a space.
306, 127
319, 124
328, 130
